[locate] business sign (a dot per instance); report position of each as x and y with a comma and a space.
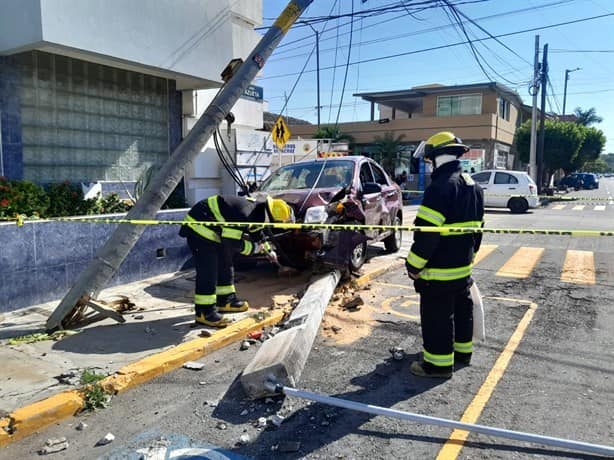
253, 93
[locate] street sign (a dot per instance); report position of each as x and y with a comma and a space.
280, 133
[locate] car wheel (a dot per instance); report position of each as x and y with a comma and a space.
393, 242
518, 205
358, 256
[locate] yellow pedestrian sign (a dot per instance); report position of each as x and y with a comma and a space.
280, 133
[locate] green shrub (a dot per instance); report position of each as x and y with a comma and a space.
66, 199
22, 197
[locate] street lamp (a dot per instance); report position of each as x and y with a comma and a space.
317, 66
567, 72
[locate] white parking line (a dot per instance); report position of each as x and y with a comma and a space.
579, 207
600, 207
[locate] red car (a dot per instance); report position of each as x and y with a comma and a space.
351, 189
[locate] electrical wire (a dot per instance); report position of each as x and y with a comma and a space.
332, 89
347, 67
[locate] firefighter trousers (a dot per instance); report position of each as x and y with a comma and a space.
447, 326
214, 272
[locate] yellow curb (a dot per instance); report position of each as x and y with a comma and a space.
166, 361
367, 277
33, 417
29, 419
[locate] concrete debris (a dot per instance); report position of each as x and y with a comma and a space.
244, 439
138, 316
81, 426
277, 420
398, 354
54, 445
221, 426
335, 329
244, 345
194, 365
205, 333
107, 439
289, 446
262, 422
202, 383
353, 304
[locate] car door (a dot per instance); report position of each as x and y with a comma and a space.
390, 195
483, 179
371, 202
503, 186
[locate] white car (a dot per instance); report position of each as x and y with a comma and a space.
507, 189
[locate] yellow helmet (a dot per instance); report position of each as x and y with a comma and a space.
279, 210
444, 142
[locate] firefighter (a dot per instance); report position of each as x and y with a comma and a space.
214, 247
440, 263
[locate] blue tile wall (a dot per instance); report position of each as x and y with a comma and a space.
10, 118
40, 261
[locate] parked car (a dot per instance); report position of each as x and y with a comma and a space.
507, 189
341, 190
589, 181
574, 181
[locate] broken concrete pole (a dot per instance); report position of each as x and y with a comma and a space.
283, 357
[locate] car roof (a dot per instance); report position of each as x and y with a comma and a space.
509, 171
352, 158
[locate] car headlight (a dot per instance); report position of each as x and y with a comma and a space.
316, 215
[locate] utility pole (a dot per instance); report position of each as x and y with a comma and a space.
542, 120
317, 68
534, 89
567, 72
109, 257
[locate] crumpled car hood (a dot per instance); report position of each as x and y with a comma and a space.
301, 200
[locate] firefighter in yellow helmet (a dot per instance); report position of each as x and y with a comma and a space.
214, 247
440, 263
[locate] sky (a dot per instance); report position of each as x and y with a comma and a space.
584, 44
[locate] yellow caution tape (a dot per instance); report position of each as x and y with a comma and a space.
544, 197
349, 227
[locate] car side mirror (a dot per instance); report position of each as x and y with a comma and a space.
371, 187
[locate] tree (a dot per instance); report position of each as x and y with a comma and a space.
587, 117
591, 148
389, 148
596, 166
609, 159
333, 133
562, 142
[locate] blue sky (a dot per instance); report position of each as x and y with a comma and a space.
588, 44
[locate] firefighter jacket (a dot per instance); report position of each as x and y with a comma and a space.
220, 208
451, 200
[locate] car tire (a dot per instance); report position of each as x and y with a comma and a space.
518, 205
393, 242
358, 256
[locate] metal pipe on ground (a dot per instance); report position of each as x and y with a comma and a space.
283, 357
598, 449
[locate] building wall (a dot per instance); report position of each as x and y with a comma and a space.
11, 161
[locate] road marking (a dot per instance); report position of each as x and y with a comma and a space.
402, 286
579, 207
521, 264
600, 207
455, 443
579, 267
408, 303
558, 206
484, 252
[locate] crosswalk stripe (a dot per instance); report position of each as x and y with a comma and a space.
600, 207
579, 207
579, 267
521, 264
484, 252
558, 207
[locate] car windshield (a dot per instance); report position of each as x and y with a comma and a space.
331, 173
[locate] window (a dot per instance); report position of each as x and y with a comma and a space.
481, 178
505, 178
380, 177
365, 174
504, 108
467, 104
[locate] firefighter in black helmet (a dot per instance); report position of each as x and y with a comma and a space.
214, 247
440, 263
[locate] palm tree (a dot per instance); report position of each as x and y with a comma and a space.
334, 134
587, 117
388, 149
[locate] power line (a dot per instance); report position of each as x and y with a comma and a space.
559, 50
347, 67
434, 48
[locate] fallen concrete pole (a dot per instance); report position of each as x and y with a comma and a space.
277, 388
283, 357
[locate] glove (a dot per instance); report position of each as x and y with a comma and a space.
410, 272
262, 247
272, 256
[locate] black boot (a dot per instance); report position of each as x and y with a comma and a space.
462, 359
208, 316
230, 304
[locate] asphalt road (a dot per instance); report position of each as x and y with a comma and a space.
547, 367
